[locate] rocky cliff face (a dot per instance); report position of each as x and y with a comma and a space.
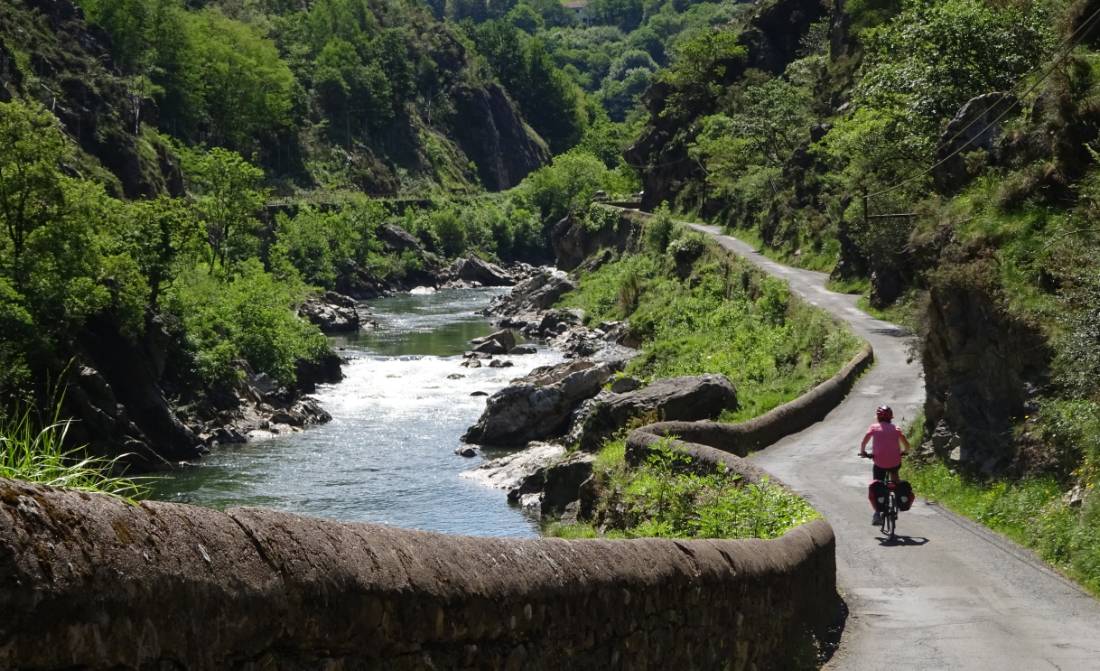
980, 366
490, 130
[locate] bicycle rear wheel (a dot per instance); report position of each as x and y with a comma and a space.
890, 516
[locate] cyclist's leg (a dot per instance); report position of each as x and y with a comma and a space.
877, 473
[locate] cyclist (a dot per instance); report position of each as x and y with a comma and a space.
887, 442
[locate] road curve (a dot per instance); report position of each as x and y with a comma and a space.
951, 594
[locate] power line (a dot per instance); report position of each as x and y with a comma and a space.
1071, 43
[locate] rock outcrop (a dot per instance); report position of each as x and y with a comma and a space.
492, 133
979, 362
540, 405
574, 242
331, 312
972, 129
670, 399
533, 295
557, 487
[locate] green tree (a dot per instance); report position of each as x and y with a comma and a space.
229, 196
31, 192
156, 234
246, 88
933, 57
626, 14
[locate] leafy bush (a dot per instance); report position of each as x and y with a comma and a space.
250, 317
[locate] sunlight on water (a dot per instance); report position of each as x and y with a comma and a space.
387, 456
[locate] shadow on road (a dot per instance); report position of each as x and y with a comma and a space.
829, 641
893, 332
902, 541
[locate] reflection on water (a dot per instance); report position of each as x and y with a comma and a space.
387, 456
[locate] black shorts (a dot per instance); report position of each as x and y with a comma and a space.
878, 473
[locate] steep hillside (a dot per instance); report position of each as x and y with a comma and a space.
377, 97
940, 156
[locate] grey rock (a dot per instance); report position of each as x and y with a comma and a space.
465, 451
672, 399
331, 312
500, 342
472, 269
539, 292
557, 485
539, 407
398, 240
500, 363
971, 130
523, 349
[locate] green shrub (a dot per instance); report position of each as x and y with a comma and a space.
250, 316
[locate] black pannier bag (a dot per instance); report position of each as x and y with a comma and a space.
904, 492
876, 494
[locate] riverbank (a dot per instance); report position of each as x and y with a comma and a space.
388, 453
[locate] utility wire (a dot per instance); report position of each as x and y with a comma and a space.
1071, 43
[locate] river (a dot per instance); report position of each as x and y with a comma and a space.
388, 454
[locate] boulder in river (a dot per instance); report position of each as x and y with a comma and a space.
474, 270
540, 405
509, 471
500, 342
678, 398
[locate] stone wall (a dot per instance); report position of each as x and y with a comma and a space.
92, 582
715, 441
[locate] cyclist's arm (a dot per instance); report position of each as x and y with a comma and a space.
863, 445
904, 442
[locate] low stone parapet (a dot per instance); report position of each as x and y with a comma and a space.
92, 582
743, 438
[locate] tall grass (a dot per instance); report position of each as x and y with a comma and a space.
35, 451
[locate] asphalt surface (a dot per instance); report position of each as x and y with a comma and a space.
949, 594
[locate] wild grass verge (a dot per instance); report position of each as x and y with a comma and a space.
698, 310
669, 497
1032, 511
34, 451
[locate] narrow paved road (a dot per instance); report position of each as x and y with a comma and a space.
952, 594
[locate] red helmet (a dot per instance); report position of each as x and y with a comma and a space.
884, 413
